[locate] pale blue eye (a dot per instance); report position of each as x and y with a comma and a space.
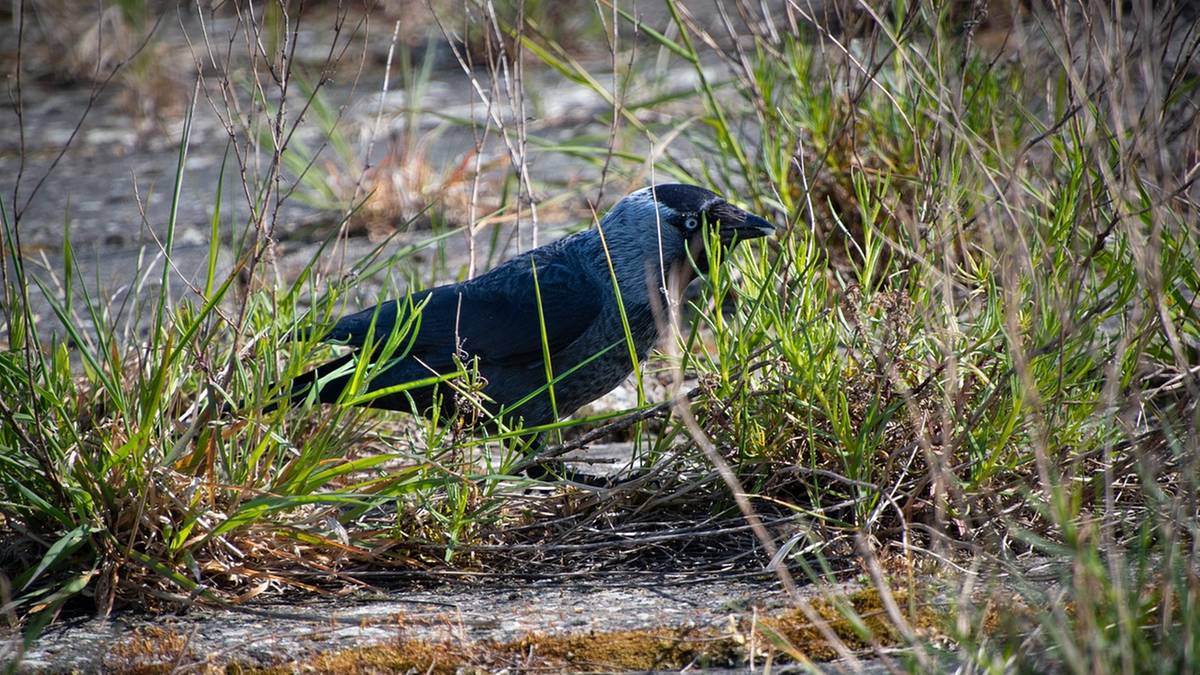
691, 223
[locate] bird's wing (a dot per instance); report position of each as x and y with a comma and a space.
494, 317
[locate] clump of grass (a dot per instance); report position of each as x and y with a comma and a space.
146, 471
117, 44
405, 185
973, 345
963, 340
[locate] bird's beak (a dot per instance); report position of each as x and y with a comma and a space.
752, 227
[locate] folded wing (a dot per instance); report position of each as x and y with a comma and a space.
495, 318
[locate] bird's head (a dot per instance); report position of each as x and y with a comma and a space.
674, 223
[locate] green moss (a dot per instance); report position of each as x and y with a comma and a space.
858, 620
648, 649
152, 649
401, 656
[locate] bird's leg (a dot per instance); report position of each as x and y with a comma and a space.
555, 470
551, 469
535, 469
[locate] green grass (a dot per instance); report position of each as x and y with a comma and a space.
975, 342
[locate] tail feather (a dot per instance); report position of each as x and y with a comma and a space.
329, 390
331, 385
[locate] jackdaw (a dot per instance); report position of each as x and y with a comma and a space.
494, 322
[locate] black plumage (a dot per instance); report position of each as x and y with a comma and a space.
495, 321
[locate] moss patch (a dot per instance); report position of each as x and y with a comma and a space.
403, 656
152, 649
859, 620
648, 649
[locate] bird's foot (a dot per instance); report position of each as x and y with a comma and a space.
558, 472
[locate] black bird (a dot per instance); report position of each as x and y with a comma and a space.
494, 321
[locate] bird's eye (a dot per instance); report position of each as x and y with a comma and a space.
691, 223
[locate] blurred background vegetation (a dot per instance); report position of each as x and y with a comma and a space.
968, 368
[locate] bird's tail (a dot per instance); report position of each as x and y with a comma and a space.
300, 387
329, 389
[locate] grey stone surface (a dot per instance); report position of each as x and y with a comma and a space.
486, 610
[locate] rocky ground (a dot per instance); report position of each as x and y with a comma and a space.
465, 613
631, 622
